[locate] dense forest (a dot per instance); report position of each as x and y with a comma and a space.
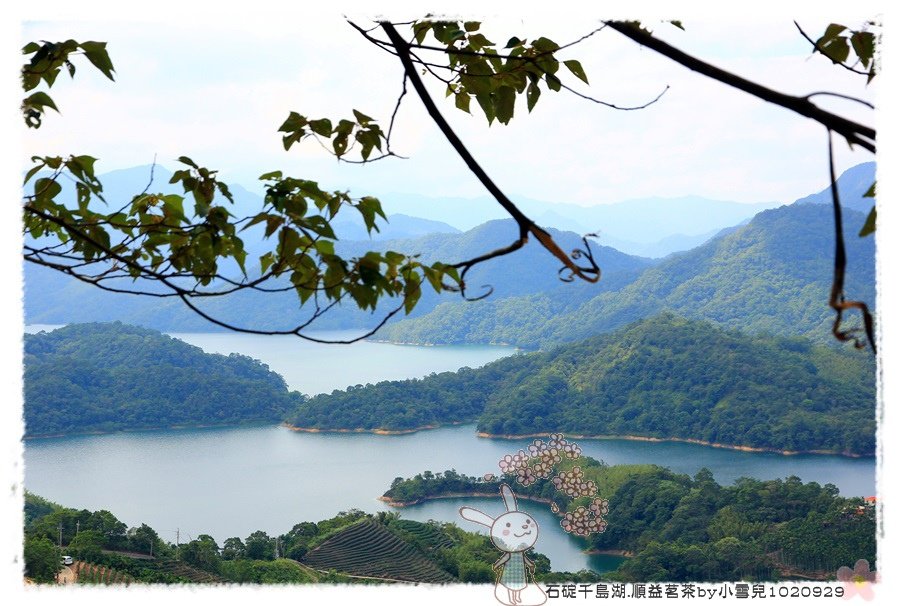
108, 377
679, 528
771, 276
664, 377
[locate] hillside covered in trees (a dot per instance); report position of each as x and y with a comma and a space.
771, 276
664, 377
108, 377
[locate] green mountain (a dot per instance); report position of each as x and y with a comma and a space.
663, 377
108, 377
772, 276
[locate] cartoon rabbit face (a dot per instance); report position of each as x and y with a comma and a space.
514, 531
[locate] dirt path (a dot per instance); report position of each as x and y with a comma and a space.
66, 576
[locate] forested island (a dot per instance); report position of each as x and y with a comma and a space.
110, 376
664, 377
675, 527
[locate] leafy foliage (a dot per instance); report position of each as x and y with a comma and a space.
495, 76
42, 559
108, 377
46, 61
839, 41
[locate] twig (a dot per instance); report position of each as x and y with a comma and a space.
854, 132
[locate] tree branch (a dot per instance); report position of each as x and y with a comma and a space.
526, 225
854, 132
837, 300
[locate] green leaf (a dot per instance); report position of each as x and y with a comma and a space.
870, 193
505, 103
831, 32
869, 226
545, 45
534, 93
272, 176
472, 26
46, 189
34, 169
462, 102
513, 42
321, 127
575, 67
487, 105
294, 122
553, 83
41, 100
864, 46
96, 54
361, 118
421, 30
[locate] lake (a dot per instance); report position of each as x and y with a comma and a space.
231, 481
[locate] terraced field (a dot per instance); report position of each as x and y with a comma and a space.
369, 549
94, 574
427, 535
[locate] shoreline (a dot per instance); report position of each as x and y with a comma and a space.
378, 431
44, 436
480, 434
850, 455
454, 495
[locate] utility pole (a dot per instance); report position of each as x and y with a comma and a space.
60, 534
177, 539
77, 526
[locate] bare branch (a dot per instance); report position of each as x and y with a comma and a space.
840, 96
837, 300
859, 134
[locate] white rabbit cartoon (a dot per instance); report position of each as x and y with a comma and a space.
513, 533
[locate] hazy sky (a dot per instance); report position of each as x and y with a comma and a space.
218, 89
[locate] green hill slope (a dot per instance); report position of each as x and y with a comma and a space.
772, 275
664, 377
107, 377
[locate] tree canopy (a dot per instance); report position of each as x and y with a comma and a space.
191, 247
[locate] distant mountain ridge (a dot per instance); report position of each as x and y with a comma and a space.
52, 298
772, 275
852, 186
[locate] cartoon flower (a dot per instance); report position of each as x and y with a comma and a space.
859, 580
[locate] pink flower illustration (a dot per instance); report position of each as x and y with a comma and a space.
858, 581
